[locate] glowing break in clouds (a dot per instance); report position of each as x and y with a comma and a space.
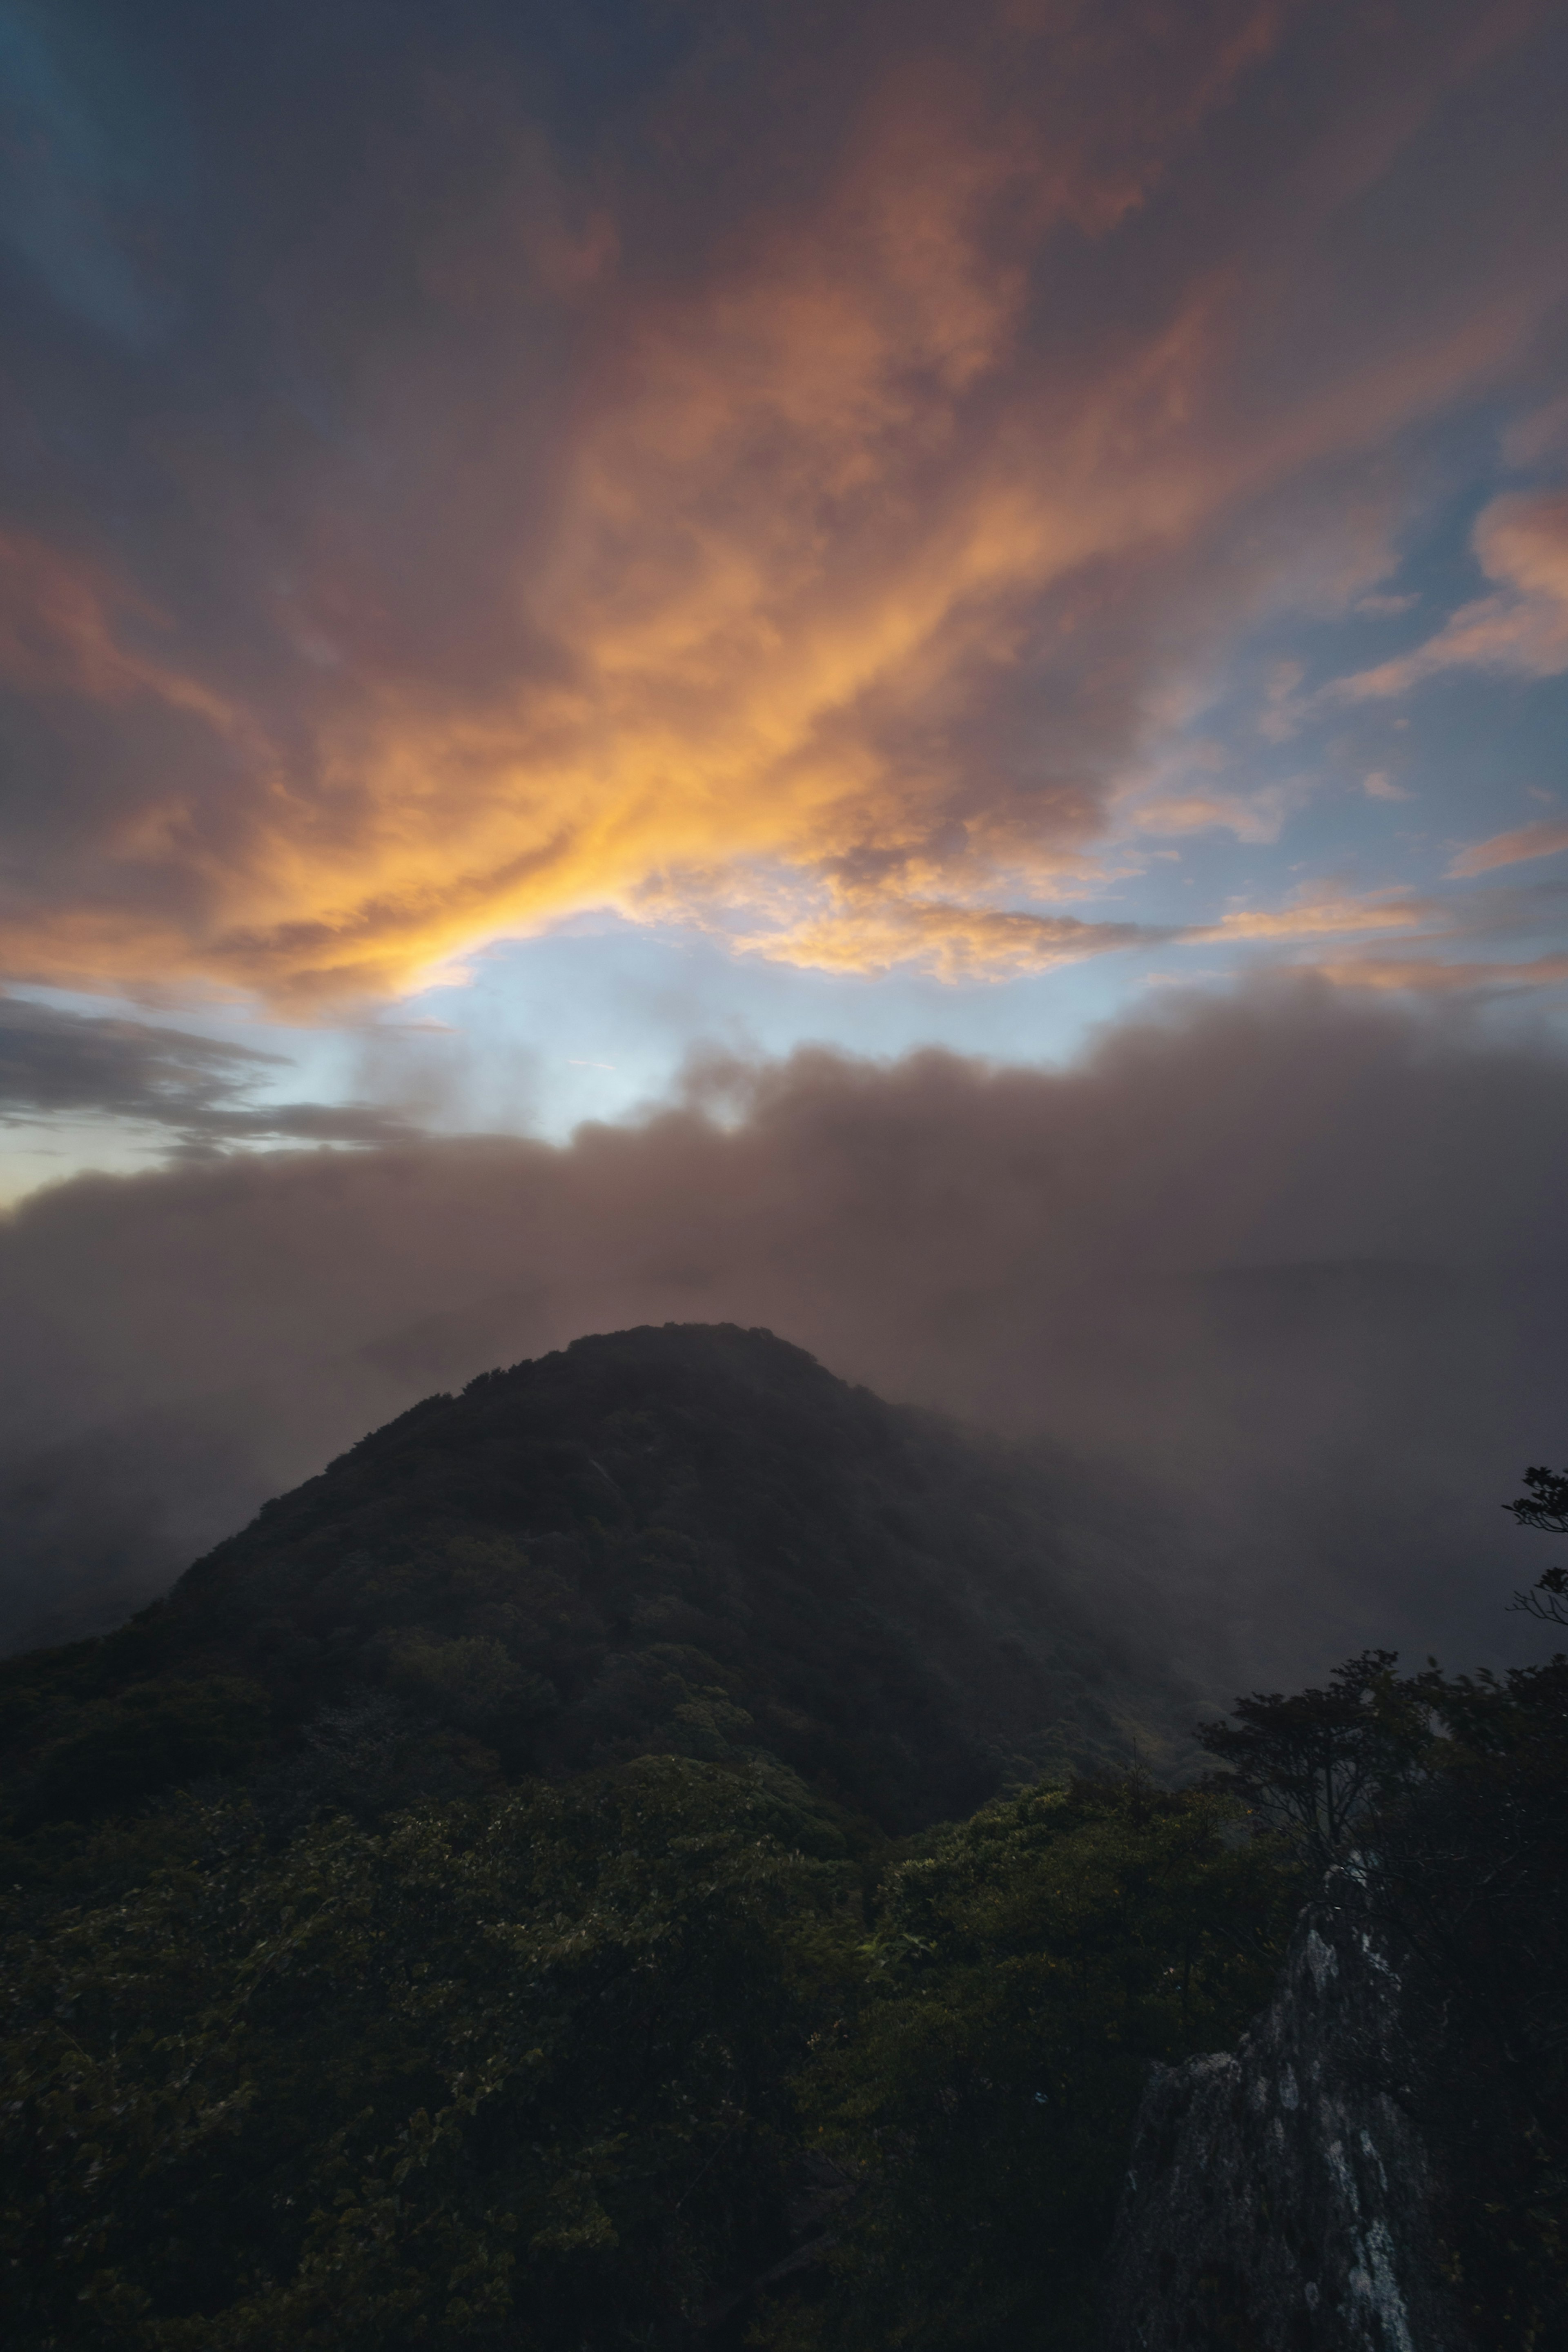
789, 489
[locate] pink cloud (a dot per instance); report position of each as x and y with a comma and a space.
1256, 817
1542, 839
1521, 540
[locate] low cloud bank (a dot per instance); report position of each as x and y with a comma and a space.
1276, 1282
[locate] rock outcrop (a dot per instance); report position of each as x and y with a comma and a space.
1279, 2197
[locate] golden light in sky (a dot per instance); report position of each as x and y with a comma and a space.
814, 510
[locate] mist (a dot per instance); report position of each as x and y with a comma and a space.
1272, 1283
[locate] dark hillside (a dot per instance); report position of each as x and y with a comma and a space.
689, 1539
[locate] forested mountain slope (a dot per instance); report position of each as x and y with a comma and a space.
690, 1539
460, 1915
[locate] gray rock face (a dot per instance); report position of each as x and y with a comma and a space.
1279, 2198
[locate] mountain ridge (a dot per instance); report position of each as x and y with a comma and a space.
687, 1539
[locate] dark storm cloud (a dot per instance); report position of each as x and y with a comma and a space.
56, 1065
1278, 1283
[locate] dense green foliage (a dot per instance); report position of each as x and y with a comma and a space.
1024, 1971
567, 2066
688, 1540
471, 2074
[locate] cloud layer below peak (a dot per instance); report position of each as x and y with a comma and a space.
1254, 1276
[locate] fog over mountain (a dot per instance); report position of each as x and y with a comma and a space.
1276, 1283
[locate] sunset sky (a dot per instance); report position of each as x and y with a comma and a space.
539, 540
899, 671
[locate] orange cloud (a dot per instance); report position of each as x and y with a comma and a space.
62, 624
865, 528
1323, 917
954, 941
1430, 975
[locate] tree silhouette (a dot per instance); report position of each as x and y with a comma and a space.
1311, 1763
1544, 1507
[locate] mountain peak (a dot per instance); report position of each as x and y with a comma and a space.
682, 1537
